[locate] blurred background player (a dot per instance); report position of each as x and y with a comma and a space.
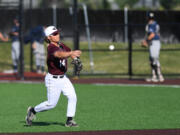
3, 38
56, 80
15, 52
153, 40
37, 38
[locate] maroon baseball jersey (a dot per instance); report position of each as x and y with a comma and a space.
56, 66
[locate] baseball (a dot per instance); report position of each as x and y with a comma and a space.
111, 47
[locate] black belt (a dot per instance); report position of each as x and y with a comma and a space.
58, 76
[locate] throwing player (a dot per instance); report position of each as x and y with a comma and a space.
56, 80
153, 40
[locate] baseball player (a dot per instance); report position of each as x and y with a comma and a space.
56, 80
15, 52
153, 41
37, 36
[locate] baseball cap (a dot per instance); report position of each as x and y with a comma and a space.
151, 15
50, 30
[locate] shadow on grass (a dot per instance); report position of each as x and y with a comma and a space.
43, 123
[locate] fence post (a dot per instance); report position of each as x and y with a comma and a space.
76, 32
126, 25
21, 72
54, 14
75, 22
130, 51
31, 49
88, 37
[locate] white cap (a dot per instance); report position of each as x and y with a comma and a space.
50, 30
151, 15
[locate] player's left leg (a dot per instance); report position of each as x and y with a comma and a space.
53, 95
30, 115
152, 54
160, 76
37, 57
156, 60
70, 93
42, 58
42, 64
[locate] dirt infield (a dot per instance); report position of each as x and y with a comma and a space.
33, 77
124, 81
114, 132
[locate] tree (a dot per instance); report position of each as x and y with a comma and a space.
123, 3
105, 4
169, 4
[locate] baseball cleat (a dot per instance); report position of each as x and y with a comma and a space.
30, 116
153, 79
71, 123
148, 79
161, 78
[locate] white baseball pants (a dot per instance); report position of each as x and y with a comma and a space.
54, 88
15, 52
154, 51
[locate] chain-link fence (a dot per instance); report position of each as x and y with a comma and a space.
105, 28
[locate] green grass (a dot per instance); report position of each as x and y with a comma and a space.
107, 61
100, 107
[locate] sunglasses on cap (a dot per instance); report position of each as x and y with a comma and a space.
55, 33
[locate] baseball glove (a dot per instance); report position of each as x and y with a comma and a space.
144, 43
78, 65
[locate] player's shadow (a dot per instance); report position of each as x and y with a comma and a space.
43, 123
47, 123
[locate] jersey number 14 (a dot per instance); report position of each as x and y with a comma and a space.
62, 63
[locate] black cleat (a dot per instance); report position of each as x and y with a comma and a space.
71, 123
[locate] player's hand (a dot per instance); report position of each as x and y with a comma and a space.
34, 46
15, 33
144, 44
76, 53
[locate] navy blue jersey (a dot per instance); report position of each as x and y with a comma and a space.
35, 34
153, 28
15, 29
38, 34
